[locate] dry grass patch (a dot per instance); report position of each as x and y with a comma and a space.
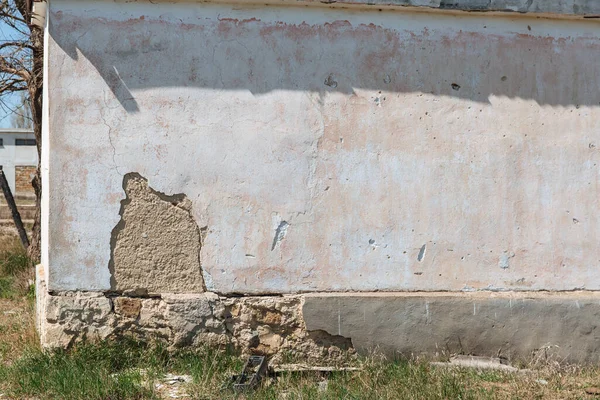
17, 333
16, 270
16, 300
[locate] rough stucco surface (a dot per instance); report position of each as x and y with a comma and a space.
330, 149
554, 7
568, 7
324, 150
564, 326
156, 245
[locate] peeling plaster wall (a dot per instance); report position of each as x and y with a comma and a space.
329, 149
156, 246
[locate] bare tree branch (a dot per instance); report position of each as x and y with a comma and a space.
21, 73
18, 45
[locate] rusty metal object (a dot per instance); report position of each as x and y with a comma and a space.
254, 371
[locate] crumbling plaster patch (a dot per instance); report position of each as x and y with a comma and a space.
155, 247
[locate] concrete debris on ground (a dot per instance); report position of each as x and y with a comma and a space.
172, 386
323, 386
170, 379
477, 362
593, 391
303, 368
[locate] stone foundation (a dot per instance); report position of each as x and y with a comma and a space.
327, 328
270, 325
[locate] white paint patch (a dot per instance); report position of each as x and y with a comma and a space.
504, 259
422, 252
208, 281
280, 232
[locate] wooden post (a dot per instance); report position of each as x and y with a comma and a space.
13, 209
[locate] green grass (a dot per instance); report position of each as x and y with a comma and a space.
87, 372
15, 271
110, 370
14, 261
378, 380
129, 370
7, 290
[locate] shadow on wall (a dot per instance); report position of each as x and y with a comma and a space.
340, 56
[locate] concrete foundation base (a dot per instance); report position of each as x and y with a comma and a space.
330, 327
516, 325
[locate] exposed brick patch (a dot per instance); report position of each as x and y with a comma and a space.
23, 177
128, 307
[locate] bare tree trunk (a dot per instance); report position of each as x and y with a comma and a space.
21, 70
35, 93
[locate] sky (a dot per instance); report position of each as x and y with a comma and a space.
7, 33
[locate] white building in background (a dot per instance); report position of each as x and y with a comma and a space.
19, 158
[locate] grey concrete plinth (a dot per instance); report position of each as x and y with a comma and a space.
516, 325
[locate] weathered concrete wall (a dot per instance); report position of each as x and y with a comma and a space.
336, 150
194, 152
562, 326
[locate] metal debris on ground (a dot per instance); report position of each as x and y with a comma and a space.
254, 371
257, 369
